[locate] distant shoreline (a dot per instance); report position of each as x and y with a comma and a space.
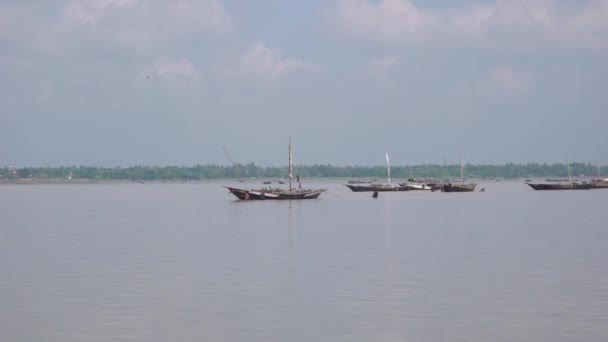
261, 181
92, 174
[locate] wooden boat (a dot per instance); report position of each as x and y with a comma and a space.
376, 186
599, 183
274, 193
414, 184
570, 185
359, 182
277, 193
561, 186
457, 187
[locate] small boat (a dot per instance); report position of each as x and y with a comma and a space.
559, 185
274, 193
599, 183
414, 184
457, 187
277, 193
375, 187
266, 182
372, 187
359, 182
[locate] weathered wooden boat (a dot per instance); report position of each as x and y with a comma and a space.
375, 187
458, 187
414, 184
278, 193
599, 183
561, 186
570, 185
274, 193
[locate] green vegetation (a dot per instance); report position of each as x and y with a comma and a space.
211, 171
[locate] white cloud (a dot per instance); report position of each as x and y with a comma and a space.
90, 11
268, 64
144, 22
181, 72
512, 22
379, 67
132, 24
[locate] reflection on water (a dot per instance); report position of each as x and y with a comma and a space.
185, 262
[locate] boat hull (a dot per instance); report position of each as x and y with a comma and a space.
374, 187
458, 187
567, 186
599, 184
274, 194
416, 186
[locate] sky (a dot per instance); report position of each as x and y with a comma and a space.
175, 82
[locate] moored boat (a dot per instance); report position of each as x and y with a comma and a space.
560, 186
570, 185
274, 193
457, 187
599, 183
359, 187
375, 187
414, 184
277, 193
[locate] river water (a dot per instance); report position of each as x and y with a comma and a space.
186, 262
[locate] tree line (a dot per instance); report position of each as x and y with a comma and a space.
212, 171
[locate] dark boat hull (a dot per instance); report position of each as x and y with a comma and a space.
375, 187
458, 187
567, 186
273, 194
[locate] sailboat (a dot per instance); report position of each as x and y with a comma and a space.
599, 183
562, 186
416, 184
377, 186
277, 193
459, 187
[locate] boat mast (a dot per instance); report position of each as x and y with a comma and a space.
568, 166
462, 169
388, 169
290, 165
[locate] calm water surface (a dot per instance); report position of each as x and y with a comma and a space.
186, 262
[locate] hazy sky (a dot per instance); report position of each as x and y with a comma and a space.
125, 82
